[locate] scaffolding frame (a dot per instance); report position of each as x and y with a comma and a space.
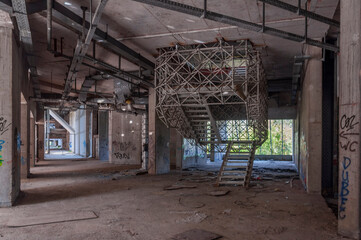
213, 93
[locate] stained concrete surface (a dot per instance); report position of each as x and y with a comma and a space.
137, 207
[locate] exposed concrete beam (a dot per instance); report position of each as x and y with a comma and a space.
61, 121
217, 17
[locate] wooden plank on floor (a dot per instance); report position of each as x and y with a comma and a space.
52, 217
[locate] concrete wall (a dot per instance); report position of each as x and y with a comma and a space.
308, 127
125, 136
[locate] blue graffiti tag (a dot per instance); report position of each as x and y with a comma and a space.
18, 141
1, 149
344, 187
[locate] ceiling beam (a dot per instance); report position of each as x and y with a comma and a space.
217, 17
73, 21
303, 12
81, 49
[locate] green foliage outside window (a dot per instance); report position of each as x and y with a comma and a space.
280, 138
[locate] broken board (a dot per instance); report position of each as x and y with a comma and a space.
196, 234
54, 217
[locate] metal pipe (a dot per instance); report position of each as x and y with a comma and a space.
49, 20
84, 20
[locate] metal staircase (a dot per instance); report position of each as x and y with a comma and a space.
215, 95
237, 165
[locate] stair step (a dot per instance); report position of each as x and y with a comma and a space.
235, 166
237, 161
234, 177
234, 171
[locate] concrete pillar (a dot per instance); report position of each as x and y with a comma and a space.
25, 140
103, 122
125, 138
175, 148
40, 123
94, 133
159, 137
310, 162
9, 116
89, 133
349, 120
32, 141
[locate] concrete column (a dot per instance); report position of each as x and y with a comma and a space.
349, 120
159, 137
9, 117
88, 132
310, 163
40, 122
32, 141
103, 132
94, 133
175, 148
25, 140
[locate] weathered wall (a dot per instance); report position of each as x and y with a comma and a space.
310, 123
125, 138
193, 156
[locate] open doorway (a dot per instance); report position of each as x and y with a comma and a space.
68, 135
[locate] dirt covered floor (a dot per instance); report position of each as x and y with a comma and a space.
127, 206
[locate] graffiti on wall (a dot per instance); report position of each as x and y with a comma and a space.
4, 125
123, 150
349, 141
2, 142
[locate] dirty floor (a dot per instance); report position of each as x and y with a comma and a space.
127, 206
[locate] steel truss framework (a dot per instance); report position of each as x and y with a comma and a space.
213, 93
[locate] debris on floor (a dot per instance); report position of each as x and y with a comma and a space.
130, 172
196, 234
55, 217
196, 217
218, 193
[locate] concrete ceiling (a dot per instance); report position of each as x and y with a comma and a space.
145, 28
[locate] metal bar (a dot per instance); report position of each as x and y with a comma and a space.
303, 12
114, 72
81, 49
72, 21
187, 9
49, 22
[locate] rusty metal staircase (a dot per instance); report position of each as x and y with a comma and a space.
237, 165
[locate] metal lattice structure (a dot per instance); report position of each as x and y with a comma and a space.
213, 93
